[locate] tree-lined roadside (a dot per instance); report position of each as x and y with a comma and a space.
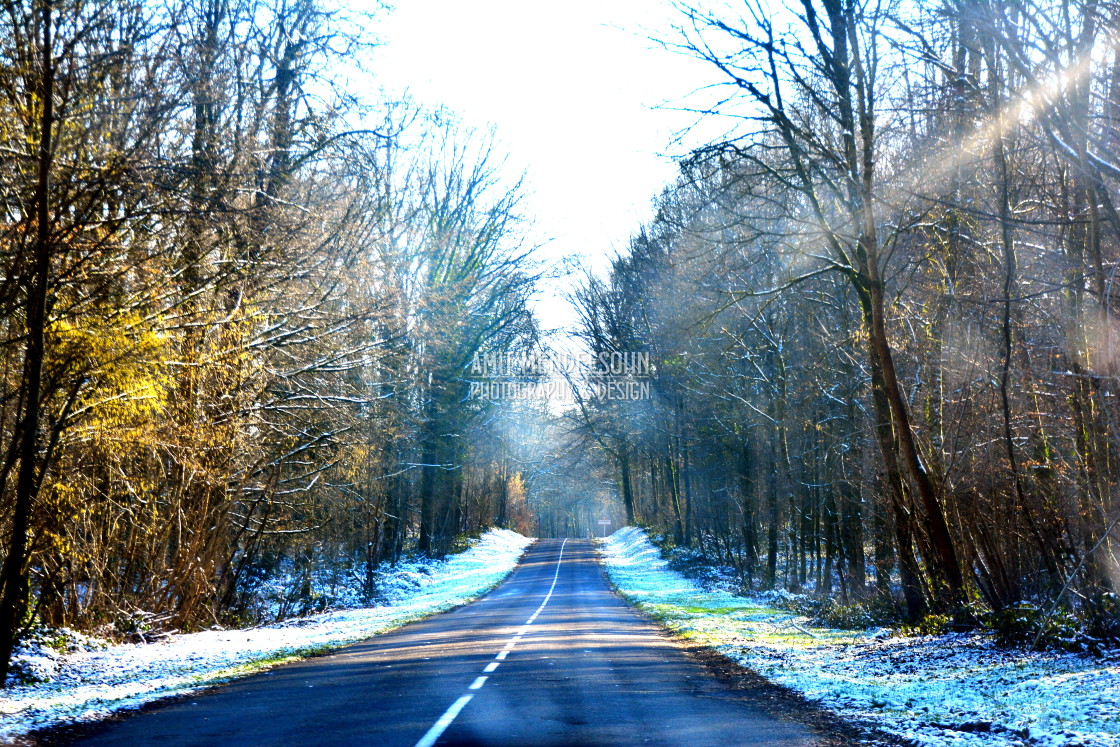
551, 657
880, 313
932, 690
263, 323
236, 299
84, 680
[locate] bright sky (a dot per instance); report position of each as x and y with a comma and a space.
572, 90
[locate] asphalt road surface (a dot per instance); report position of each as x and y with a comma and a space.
550, 657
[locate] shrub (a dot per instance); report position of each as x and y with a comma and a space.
930, 624
860, 614
1102, 617
1020, 624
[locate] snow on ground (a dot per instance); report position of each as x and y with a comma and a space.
94, 680
930, 691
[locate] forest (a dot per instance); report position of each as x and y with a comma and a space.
880, 311
241, 301
236, 304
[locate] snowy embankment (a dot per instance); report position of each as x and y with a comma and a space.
89, 684
957, 689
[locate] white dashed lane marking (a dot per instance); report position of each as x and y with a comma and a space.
449, 715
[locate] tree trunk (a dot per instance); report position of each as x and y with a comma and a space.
627, 489
14, 577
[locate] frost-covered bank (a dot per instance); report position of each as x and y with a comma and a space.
90, 683
934, 690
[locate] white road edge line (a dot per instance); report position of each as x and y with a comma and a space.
440, 726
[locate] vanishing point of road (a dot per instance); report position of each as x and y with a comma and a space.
550, 657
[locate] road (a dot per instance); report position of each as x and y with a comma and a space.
550, 657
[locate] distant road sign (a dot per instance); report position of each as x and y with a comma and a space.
604, 522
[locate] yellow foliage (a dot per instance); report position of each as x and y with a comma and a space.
124, 359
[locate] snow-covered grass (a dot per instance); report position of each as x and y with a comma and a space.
94, 679
957, 689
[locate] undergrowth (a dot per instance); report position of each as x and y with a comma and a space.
1093, 627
